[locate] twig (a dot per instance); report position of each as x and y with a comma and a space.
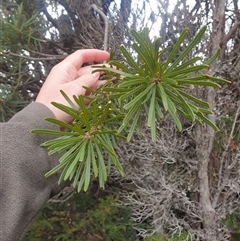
68, 190
230, 34
43, 54
50, 57
95, 8
224, 155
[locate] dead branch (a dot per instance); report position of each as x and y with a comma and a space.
223, 159
50, 57
230, 34
105, 42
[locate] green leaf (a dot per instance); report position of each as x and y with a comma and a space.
158, 110
130, 82
157, 44
175, 49
68, 100
66, 109
207, 121
102, 167
104, 113
62, 142
217, 79
134, 123
60, 123
78, 158
209, 61
186, 106
193, 98
79, 129
190, 46
114, 89
170, 81
129, 115
198, 82
84, 110
131, 61
78, 173
87, 171
107, 147
146, 56
151, 115
56, 168
163, 96
187, 63
52, 132
119, 65
172, 111
184, 71
126, 74
144, 50
82, 179
93, 158
138, 98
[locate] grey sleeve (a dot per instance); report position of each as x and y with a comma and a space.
23, 188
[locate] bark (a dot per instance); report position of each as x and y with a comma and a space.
205, 135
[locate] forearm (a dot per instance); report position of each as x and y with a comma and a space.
23, 188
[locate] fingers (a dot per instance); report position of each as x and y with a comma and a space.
87, 80
98, 83
86, 55
88, 69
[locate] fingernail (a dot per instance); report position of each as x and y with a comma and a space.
96, 74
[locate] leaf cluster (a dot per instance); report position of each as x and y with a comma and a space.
86, 143
18, 30
142, 85
157, 87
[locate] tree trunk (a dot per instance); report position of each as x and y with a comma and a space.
205, 135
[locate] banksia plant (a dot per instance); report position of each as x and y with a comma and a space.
141, 85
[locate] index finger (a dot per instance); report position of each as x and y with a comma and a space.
79, 57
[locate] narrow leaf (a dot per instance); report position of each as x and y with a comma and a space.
190, 46
93, 158
119, 65
72, 112
199, 82
75, 161
209, 61
87, 172
78, 173
131, 61
194, 99
217, 79
185, 71
163, 96
138, 97
134, 124
68, 100
151, 121
207, 121
186, 106
172, 111
130, 82
125, 74
175, 48
146, 56
60, 123
52, 132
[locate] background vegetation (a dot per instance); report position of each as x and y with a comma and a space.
184, 186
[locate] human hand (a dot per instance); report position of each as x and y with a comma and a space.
70, 77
